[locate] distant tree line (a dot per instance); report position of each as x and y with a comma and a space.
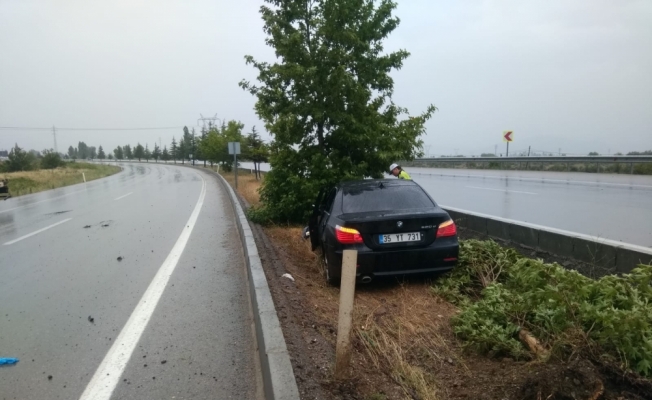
21, 160
210, 146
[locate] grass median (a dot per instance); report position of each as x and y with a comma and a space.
500, 326
27, 182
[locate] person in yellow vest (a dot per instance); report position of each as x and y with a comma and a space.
398, 172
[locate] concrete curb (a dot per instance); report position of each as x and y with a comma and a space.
278, 377
616, 257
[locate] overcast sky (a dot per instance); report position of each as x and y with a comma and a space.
570, 75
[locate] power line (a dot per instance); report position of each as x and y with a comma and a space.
24, 128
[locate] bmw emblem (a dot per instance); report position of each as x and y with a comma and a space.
399, 224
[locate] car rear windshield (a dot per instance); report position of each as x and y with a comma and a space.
384, 199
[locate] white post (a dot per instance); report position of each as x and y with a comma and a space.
345, 319
84, 175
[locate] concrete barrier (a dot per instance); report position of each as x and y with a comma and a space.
278, 377
614, 256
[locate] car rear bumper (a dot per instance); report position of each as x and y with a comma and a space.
439, 257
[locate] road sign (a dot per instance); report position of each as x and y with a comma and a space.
234, 147
508, 136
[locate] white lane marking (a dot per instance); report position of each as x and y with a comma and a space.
122, 197
36, 232
108, 373
499, 190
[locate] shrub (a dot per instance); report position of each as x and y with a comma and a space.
51, 160
500, 292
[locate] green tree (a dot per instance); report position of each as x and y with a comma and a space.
72, 153
214, 146
100, 153
127, 152
174, 149
200, 141
181, 151
327, 101
119, 154
83, 152
255, 150
20, 160
51, 160
139, 152
92, 152
156, 154
110, 157
594, 153
147, 154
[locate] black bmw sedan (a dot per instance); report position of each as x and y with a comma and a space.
395, 226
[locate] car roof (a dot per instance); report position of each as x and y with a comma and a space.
368, 183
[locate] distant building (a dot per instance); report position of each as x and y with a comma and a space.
4, 153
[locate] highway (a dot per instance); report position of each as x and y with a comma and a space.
617, 207
128, 287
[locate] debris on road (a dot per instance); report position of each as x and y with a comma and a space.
8, 361
288, 276
91, 319
120, 258
87, 226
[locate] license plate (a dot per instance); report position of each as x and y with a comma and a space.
399, 237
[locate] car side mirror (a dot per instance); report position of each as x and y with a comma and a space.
306, 233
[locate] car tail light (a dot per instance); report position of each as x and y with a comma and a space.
347, 235
447, 229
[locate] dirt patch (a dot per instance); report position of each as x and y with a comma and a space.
403, 344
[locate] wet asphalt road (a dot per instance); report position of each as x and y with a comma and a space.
199, 341
617, 207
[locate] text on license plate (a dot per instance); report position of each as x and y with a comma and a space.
400, 237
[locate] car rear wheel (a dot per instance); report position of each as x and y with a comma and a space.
327, 271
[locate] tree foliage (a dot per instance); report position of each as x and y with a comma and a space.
100, 153
51, 160
156, 154
174, 149
214, 147
327, 101
20, 160
127, 152
118, 153
255, 150
139, 152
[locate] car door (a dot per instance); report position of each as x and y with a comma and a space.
325, 212
313, 222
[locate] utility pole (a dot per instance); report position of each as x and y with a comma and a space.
495, 150
54, 133
204, 119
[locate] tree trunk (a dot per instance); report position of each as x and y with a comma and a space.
320, 136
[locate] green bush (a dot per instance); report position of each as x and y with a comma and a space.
500, 292
51, 160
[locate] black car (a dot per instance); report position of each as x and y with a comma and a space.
395, 226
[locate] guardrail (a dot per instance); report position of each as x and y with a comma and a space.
556, 159
570, 163
610, 255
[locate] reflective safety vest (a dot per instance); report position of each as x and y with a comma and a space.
404, 175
